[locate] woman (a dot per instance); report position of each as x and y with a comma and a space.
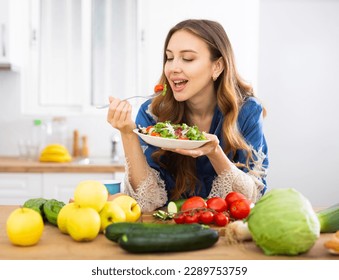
204, 89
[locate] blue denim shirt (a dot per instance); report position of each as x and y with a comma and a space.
250, 125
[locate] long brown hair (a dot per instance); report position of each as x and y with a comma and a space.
231, 92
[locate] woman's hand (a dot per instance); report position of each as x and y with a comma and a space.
208, 149
119, 115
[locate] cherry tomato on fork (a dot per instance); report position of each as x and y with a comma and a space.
158, 88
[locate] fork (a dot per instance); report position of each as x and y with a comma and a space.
131, 97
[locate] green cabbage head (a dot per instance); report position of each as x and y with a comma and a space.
283, 222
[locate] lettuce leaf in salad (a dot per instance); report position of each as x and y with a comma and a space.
173, 131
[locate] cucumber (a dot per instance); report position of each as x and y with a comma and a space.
51, 209
175, 206
145, 242
329, 219
36, 204
114, 231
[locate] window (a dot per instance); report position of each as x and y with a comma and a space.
114, 42
80, 51
61, 67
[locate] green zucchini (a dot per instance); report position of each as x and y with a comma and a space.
329, 219
114, 231
144, 242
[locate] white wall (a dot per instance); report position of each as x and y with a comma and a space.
240, 20
15, 126
298, 74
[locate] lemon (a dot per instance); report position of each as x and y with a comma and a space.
24, 227
92, 194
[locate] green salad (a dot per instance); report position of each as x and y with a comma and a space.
173, 131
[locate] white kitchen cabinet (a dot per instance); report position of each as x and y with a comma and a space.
16, 188
14, 15
4, 23
62, 186
77, 54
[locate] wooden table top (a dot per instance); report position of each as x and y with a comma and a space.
54, 245
15, 164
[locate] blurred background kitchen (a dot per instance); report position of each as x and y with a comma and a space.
60, 58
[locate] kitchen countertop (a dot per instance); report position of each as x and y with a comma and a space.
54, 245
95, 165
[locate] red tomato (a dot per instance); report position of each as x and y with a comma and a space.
193, 203
220, 219
217, 203
233, 196
179, 219
192, 218
240, 209
148, 128
206, 217
158, 88
157, 134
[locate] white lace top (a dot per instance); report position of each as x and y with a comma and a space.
151, 193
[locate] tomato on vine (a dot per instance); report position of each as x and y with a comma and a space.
220, 219
206, 217
191, 218
179, 218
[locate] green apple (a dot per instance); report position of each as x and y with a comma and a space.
111, 213
130, 206
83, 224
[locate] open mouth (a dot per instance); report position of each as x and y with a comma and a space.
179, 83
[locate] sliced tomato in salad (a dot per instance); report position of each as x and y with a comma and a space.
149, 128
154, 133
